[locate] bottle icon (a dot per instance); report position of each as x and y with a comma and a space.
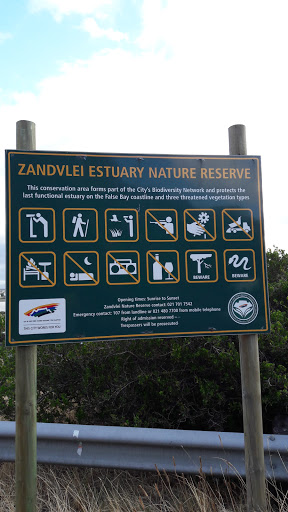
157, 269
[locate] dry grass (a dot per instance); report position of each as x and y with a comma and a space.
70, 489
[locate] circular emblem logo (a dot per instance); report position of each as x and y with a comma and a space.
243, 308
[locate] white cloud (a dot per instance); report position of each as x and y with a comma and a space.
91, 26
4, 36
60, 8
118, 101
218, 34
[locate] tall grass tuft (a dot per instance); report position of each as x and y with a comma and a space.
72, 489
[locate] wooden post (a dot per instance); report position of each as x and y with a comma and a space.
26, 388
251, 386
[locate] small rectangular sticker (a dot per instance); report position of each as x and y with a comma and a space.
42, 316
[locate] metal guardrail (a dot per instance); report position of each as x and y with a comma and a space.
217, 453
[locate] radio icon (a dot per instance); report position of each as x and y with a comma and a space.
122, 266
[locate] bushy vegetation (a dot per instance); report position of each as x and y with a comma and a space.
274, 346
189, 383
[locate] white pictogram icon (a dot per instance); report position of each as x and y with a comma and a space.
234, 260
236, 226
81, 276
122, 266
114, 218
36, 218
199, 259
158, 269
31, 269
162, 267
81, 268
117, 232
79, 226
197, 228
166, 224
130, 221
168, 269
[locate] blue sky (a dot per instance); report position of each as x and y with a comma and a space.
151, 76
36, 41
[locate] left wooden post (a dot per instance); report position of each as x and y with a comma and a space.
26, 388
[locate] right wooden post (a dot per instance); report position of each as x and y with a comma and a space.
251, 386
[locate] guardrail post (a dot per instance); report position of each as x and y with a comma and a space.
251, 385
26, 388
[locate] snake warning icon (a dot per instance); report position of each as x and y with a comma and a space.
239, 265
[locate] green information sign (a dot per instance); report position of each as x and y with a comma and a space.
116, 246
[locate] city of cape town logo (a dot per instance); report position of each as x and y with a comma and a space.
243, 308
44, 309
